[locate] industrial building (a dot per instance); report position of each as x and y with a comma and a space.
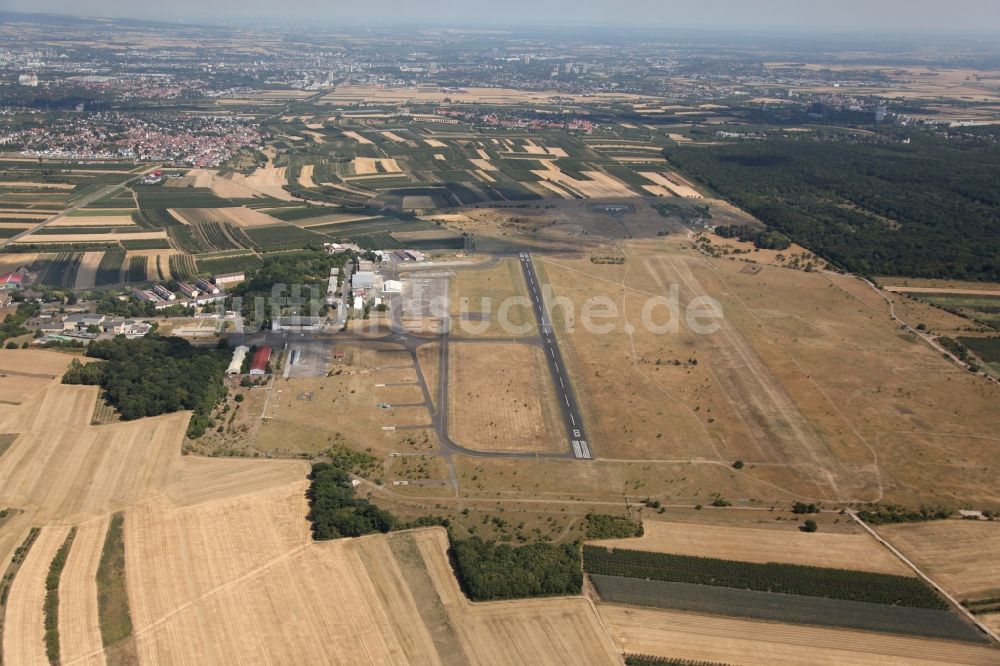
363, 280
297, 323
206, 287
260, 359
188, 289
224, 279
236, 365
163, 292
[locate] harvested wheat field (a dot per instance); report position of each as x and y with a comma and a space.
239, 580
19, 389
306, 176
24, 627
87, 273
79, 629
434, 143
500, 398
392, 136
962, 556
247, 217
600, 184
91, 238
364, 166
39, 362
672, 182
694, 637
836, 550
93, 221
225, 187
484, 164
357, 137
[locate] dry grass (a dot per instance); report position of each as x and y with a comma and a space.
822, 549
679, 635
807, 375
481, 293
500, 398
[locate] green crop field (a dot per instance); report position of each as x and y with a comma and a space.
182, 267
155, 218
771, 577
110, 269
283, 237
229, 264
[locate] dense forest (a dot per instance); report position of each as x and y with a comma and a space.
155, 375
930, 208
487, 570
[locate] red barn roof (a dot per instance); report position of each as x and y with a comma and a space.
260, 358
14, 278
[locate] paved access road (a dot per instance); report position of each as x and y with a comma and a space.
575, 433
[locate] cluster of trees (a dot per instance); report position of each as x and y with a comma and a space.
604, 526
155, 375
131, 308
802, 507
335, 512
302, 278
765, 239
877, 514
771, 577
486, 570
930, 208
13, 324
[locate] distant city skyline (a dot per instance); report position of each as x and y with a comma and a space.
867, 16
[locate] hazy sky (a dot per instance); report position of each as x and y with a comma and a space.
829, 15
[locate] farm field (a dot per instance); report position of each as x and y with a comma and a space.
500, 398
824, 549
960, 555
785, 608
682, 635
205, 536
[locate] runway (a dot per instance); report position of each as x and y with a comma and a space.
575, 433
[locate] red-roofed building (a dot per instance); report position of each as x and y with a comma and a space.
260, 358
10, 281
